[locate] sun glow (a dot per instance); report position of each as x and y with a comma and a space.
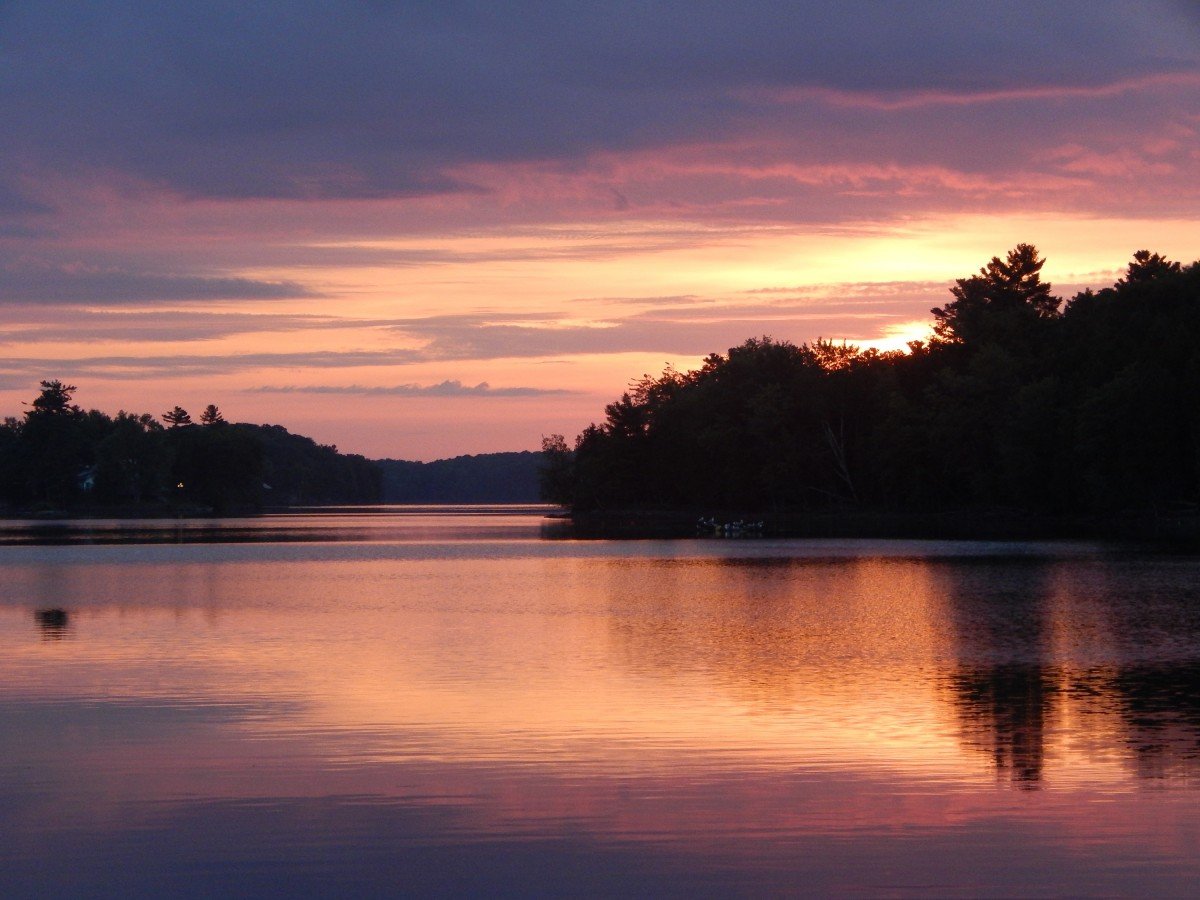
575, 308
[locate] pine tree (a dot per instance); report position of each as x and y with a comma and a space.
176, 417
211, 416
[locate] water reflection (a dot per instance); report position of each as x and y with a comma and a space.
1099, 658
1002, 687
777, 634
1013, 646
1160, 709
1003, 710
440, 707
53, 623
316, 525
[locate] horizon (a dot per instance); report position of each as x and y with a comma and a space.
420, 234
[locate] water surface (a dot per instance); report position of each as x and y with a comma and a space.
432, 701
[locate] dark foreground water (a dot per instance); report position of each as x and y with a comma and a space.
431, 703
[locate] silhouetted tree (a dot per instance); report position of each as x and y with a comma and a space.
57, 455
133, 461
1012, 404
54, 444
1002, 301
221, 468
1147, 266
555, 476
211, 416
14, 486
177, 417
54, 400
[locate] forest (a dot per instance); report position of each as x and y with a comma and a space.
1018, 401
59, 457
483, 478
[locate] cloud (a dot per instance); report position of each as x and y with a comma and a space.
671, 300
915, 99
447, 388
39, 324
67, 285
850, 289
686, 331
305, 100
14, 201
134, 367
690, 325
691, 331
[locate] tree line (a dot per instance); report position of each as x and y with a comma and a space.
1017, 401
484, 478
59, 456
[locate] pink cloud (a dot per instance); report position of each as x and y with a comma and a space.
916, 99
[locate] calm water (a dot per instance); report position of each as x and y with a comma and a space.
419, 702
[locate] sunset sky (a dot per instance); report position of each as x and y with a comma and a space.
424, 229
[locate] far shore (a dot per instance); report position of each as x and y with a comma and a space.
1176, 527
155, 511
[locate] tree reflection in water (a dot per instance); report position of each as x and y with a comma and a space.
1128, 668
1160, 709
1002, 688
52, 622
1003, 711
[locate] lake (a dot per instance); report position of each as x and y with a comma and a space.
445, 701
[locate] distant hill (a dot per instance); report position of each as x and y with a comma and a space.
486, 478
299, 471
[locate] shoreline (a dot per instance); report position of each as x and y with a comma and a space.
1179, 528
125, 512
1010, 525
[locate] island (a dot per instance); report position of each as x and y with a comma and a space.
1021, 415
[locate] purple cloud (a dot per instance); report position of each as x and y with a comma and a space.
60, 285
362, 99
